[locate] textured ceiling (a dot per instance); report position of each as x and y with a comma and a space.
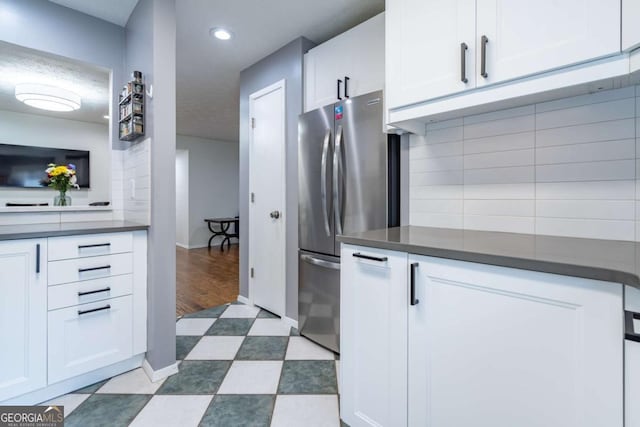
114, 11
22, 65
208, 70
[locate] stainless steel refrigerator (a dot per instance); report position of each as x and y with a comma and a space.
343, 166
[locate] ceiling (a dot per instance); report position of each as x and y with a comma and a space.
22, 65
208, 70
114, 11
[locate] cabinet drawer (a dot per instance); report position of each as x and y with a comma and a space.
88, 337
75, 270
88, 291
69, 247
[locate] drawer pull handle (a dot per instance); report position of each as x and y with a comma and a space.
97, 291
84, 270
99, 245
371, 258
93, 310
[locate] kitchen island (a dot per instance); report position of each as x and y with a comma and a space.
448, 328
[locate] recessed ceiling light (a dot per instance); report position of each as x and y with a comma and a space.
220, 33
47, 97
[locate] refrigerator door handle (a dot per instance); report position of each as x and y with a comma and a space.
320, 262
337, 171
323, 181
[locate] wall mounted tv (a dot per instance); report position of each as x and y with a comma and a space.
23, 166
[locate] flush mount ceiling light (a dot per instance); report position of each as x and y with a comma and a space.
220, 33
47, 97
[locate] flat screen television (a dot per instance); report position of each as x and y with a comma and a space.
23, 166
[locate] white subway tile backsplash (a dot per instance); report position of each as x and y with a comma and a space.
587, 190
601, 112
500, 127
507, 175
590, 132
589, 171
514, 141
500, 159
500, 207
594, 151
424, 151
586, 209
569, 167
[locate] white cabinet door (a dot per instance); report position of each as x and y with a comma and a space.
423, 48
89, 336
525, 38
23, 317
357, 54
373, 338
492, 346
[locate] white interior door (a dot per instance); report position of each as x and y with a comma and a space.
267, 199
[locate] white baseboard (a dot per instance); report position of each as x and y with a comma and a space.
290, 322
180, 245
202, 245
244, 300
160, 374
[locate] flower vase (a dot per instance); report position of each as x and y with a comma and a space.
62, 199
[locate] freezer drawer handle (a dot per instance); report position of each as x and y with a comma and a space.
414, 300
97, 291
93, 310
629, 331
370, 257
320, 262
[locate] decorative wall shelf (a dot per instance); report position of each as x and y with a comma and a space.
131, 109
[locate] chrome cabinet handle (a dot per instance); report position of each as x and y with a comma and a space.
463, 62
413, 299
323, 181
483, 56
275, 214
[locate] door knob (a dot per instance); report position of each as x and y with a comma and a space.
275, 214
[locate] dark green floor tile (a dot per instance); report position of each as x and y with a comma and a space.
294, 332
308, 377
108, 410
91, 388
239, 411
230, 327
264, 314
184, 344
213, 312
196, 377
263, 348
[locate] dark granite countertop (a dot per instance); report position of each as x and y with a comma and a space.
31, 231
608, 260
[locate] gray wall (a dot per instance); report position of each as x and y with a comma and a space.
150, 40
285, 63
62, 31
212, 185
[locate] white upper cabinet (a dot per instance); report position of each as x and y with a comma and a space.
630, 27
23, 316
348, 65
426, 55
543, 35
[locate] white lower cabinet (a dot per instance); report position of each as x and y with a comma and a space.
23, 316
89, 336
373, 342
443, 343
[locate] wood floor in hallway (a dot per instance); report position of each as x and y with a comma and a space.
205, 278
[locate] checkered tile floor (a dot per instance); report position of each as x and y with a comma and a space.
241, 366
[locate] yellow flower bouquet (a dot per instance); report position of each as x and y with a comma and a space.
61, 178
